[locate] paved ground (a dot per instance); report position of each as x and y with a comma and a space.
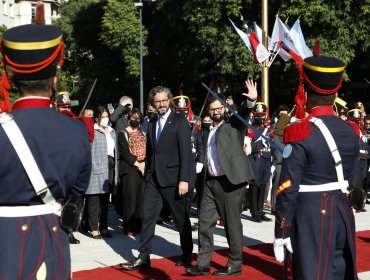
100, 253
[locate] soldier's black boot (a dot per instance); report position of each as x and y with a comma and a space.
72, 239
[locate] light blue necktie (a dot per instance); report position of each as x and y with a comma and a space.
159, 131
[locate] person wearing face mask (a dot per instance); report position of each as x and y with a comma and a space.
131, 147
151, 114
262, 162
103, 175
182, 105
63, 105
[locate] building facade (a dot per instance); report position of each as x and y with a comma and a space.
15, 12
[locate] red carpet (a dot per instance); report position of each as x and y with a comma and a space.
259, 263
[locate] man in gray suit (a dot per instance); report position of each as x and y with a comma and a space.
227, 171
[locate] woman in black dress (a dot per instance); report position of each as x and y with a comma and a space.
132, 149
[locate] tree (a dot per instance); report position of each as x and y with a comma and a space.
96, 34
189, 42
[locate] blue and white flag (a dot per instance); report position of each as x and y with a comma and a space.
298, 39
244, 37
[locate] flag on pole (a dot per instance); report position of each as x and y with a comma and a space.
244, 37
279, 34
253, 44
260, 52
258, 31
298, 39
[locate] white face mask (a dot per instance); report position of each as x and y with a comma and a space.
104, 122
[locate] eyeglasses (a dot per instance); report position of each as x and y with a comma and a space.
164, 101
215, 109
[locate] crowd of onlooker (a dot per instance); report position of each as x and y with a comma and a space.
119, 154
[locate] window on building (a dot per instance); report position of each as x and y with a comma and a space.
5, 8
11, 10
33, 13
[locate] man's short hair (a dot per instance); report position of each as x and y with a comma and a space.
321, 99
213, 99
154, 91
125, 98
33, 86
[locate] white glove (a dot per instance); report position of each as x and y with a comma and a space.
273, 169
199, 167
279, 248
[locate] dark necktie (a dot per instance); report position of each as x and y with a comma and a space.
160, 127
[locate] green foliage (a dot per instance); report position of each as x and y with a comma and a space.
189, 42
120, 27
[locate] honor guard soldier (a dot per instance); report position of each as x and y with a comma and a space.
314, 220
261, 159
63, 104
182, 104
46, 157
356, 119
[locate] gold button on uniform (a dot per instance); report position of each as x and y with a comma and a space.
25, 227
323, 211
55, 228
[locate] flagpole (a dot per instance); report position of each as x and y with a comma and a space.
265, 69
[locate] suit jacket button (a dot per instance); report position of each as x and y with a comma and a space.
25, 227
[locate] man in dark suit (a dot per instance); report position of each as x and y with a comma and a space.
119, 116
168, 168
227, 171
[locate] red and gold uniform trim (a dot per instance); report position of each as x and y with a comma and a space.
287, 184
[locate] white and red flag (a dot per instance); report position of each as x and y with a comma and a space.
259, 51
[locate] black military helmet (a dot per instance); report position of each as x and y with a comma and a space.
260, 108
32, 51
63, 99
354, 114
322, 74
181, 102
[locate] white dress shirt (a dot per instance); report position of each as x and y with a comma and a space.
213, 162
162, 119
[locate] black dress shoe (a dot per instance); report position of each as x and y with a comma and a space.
265, 219
105, 234
97, 236
227, 271
137, 264
197, 270
184, 261
72, 239
256, 218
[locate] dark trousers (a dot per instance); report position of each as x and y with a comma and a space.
256, 199
275, 185
97, 211
154, 198
221, 198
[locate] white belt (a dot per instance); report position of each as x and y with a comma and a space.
325, 187
364, 151
33, 210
